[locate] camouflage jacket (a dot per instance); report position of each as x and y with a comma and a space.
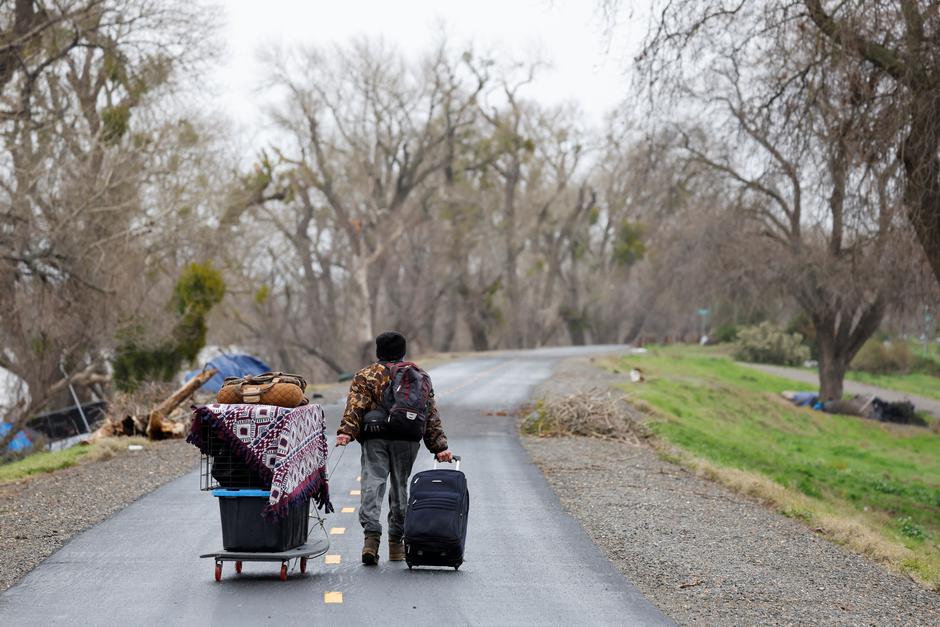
365, 394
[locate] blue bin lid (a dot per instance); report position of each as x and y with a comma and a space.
234, 493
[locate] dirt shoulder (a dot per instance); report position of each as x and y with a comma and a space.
704, 554
41, 513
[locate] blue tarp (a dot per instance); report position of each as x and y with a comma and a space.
19, 443
229, 366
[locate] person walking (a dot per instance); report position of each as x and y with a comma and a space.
388, 453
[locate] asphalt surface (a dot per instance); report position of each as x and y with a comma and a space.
527, 561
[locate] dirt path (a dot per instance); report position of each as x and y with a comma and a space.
922, 403
705, 555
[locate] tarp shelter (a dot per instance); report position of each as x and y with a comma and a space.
20, 442
229, 366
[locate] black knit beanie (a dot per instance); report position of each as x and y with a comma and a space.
390, 346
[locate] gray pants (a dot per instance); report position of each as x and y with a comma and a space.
383, 460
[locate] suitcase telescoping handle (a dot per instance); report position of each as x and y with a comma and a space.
456, 461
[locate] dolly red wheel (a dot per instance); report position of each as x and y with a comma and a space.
303, 564
238, 566
283, 572
218, 571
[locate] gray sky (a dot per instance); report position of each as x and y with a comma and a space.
568, 34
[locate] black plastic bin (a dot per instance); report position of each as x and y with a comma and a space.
244, 529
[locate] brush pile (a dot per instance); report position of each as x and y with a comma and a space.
592, 413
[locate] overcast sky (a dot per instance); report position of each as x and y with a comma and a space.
587, 67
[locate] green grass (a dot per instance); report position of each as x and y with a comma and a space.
733, 416
917, 383
38, 463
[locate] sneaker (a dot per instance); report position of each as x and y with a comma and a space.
396, 550
370, 551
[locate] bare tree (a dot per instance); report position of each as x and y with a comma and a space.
368, 134
795, 131
75, 185
893, 39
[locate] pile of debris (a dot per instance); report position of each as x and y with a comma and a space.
593, 413
154, 411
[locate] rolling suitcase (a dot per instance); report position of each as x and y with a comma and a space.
436, 520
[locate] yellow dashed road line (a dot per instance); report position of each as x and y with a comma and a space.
347, 510
355, 492
332, 559
337, 531
332, 597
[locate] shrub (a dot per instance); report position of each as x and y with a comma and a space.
879, 357
725, 334
138, 358
804, 326
927, 365
767, 344
911, 529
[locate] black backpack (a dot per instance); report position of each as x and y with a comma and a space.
406, 399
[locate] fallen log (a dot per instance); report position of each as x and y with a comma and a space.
121, 425
158, 427
133, 419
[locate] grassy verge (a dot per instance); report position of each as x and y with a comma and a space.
871, 486
45, 462
916, 383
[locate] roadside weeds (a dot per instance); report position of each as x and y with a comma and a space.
53, 461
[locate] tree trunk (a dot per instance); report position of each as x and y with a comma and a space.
449, 331
478, 336
922, 177
363, 335
832, 367
639, 319
574, 321
839, 336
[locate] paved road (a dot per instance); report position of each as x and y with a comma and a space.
527, 561
921, 403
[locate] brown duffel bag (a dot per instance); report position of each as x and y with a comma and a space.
270, 388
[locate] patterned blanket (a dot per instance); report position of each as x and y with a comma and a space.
284, 446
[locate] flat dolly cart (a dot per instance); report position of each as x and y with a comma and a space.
310, 549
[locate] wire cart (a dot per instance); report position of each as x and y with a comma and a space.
246, 535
